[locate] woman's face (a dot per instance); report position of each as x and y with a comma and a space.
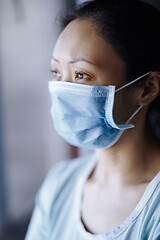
82, 56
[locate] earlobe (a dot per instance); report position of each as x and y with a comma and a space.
151, 89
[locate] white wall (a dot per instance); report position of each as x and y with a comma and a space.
28, 33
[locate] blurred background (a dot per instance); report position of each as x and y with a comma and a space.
29, 146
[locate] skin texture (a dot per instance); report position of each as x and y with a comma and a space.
124, 170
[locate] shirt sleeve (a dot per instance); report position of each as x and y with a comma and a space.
157, 233
38, 227
40, 224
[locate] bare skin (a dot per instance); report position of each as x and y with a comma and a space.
124, 170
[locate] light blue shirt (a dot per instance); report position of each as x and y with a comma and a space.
57, 211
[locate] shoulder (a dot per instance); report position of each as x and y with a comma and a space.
62, 175
66, 169
52, 195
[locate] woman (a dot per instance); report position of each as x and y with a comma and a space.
106, 73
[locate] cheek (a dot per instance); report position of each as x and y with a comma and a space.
124, 106
108, 76
119, 110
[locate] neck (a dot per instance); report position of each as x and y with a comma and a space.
128, 161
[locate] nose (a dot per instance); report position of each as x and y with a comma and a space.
66, 80
67, 77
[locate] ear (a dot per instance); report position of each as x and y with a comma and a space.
150, 89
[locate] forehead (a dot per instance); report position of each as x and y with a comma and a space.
80, 39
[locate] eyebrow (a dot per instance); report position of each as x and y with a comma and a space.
74, 60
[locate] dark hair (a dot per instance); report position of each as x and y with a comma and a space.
130, 26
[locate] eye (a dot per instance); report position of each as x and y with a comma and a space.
81, 76
56, 76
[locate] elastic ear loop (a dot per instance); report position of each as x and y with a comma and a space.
133, 115
126, 85
135, 80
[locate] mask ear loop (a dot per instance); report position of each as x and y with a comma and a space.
126, 85
132, 116
135, 80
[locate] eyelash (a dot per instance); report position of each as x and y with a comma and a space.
87, 77
54, 72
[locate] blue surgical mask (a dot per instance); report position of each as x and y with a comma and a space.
83, 114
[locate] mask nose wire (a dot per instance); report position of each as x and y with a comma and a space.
135, 80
